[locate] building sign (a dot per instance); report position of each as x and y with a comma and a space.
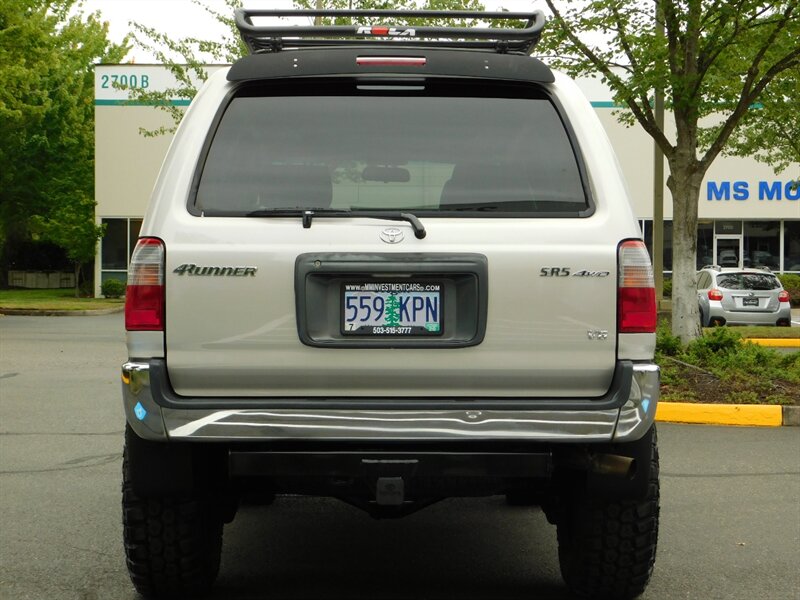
113, 83
760, 191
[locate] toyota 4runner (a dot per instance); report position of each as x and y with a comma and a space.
390, 264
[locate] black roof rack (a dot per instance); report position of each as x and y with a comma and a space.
502, 39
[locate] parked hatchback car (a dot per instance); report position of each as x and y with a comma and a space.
742, 297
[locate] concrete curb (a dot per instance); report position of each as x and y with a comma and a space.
776, 342
750, 415
26, 312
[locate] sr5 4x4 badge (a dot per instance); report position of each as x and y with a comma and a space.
567, 272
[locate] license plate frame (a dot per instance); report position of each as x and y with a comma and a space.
750, 302
417, 308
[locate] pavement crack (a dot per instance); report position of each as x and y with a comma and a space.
76, 463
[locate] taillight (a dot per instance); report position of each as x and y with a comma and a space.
636, 296
714, 294
783, 296
144, 299
391, 61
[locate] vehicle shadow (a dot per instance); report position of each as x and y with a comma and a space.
321, 548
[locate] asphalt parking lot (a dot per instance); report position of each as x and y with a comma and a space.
730, 523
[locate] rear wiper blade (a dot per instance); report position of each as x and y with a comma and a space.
308, 215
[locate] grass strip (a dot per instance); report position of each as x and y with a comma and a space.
53, 299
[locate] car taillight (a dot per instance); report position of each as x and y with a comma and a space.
783, 296
714, 295
144, 299
636, 296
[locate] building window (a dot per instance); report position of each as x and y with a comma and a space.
117, 246
705, 244
762, 242
791, 246
648, 240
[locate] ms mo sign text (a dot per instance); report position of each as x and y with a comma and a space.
742, 190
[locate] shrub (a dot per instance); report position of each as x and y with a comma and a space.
791, 283
719, 341
113, 288
743, 397
666, 343
668, 288
778, 399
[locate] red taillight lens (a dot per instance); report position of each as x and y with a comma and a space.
144, 299
714, 295
783, 296
636, 298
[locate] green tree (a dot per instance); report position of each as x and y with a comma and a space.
71, 226
771, 130
186, 59
715, 61
47, 52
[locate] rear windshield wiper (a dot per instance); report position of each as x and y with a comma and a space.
308, 215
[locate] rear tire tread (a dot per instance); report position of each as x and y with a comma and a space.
173, 545
607, 550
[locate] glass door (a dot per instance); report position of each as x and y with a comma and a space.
728, 251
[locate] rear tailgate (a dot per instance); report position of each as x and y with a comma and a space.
237, 335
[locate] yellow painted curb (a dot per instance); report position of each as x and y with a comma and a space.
720, 414
776, 342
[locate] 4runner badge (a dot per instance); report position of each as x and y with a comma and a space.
192, 269
392, 235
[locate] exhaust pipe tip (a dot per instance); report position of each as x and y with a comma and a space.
613, 464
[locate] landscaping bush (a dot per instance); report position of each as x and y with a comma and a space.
717, 341
666, 343
720, 366
791, 283
113, 288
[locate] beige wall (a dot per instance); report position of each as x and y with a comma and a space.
126, 162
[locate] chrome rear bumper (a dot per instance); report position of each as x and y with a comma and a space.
150, 419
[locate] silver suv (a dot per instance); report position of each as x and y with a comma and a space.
742, 297
390, 264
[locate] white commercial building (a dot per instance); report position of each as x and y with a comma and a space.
749, 215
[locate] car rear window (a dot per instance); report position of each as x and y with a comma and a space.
456, 149
748, 281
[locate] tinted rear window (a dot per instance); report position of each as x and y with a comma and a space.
504, 150
748, 281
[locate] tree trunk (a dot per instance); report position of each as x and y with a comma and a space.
77, 266
684, 184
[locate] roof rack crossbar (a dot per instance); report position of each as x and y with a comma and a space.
259, 38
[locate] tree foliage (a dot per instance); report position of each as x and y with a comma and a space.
187, 60
728, 71
70, 225
47, 51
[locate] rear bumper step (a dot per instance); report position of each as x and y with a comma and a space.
625, 413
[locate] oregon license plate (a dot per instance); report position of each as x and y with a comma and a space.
392, 308
749, 301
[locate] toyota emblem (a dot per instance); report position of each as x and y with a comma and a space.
392, 235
